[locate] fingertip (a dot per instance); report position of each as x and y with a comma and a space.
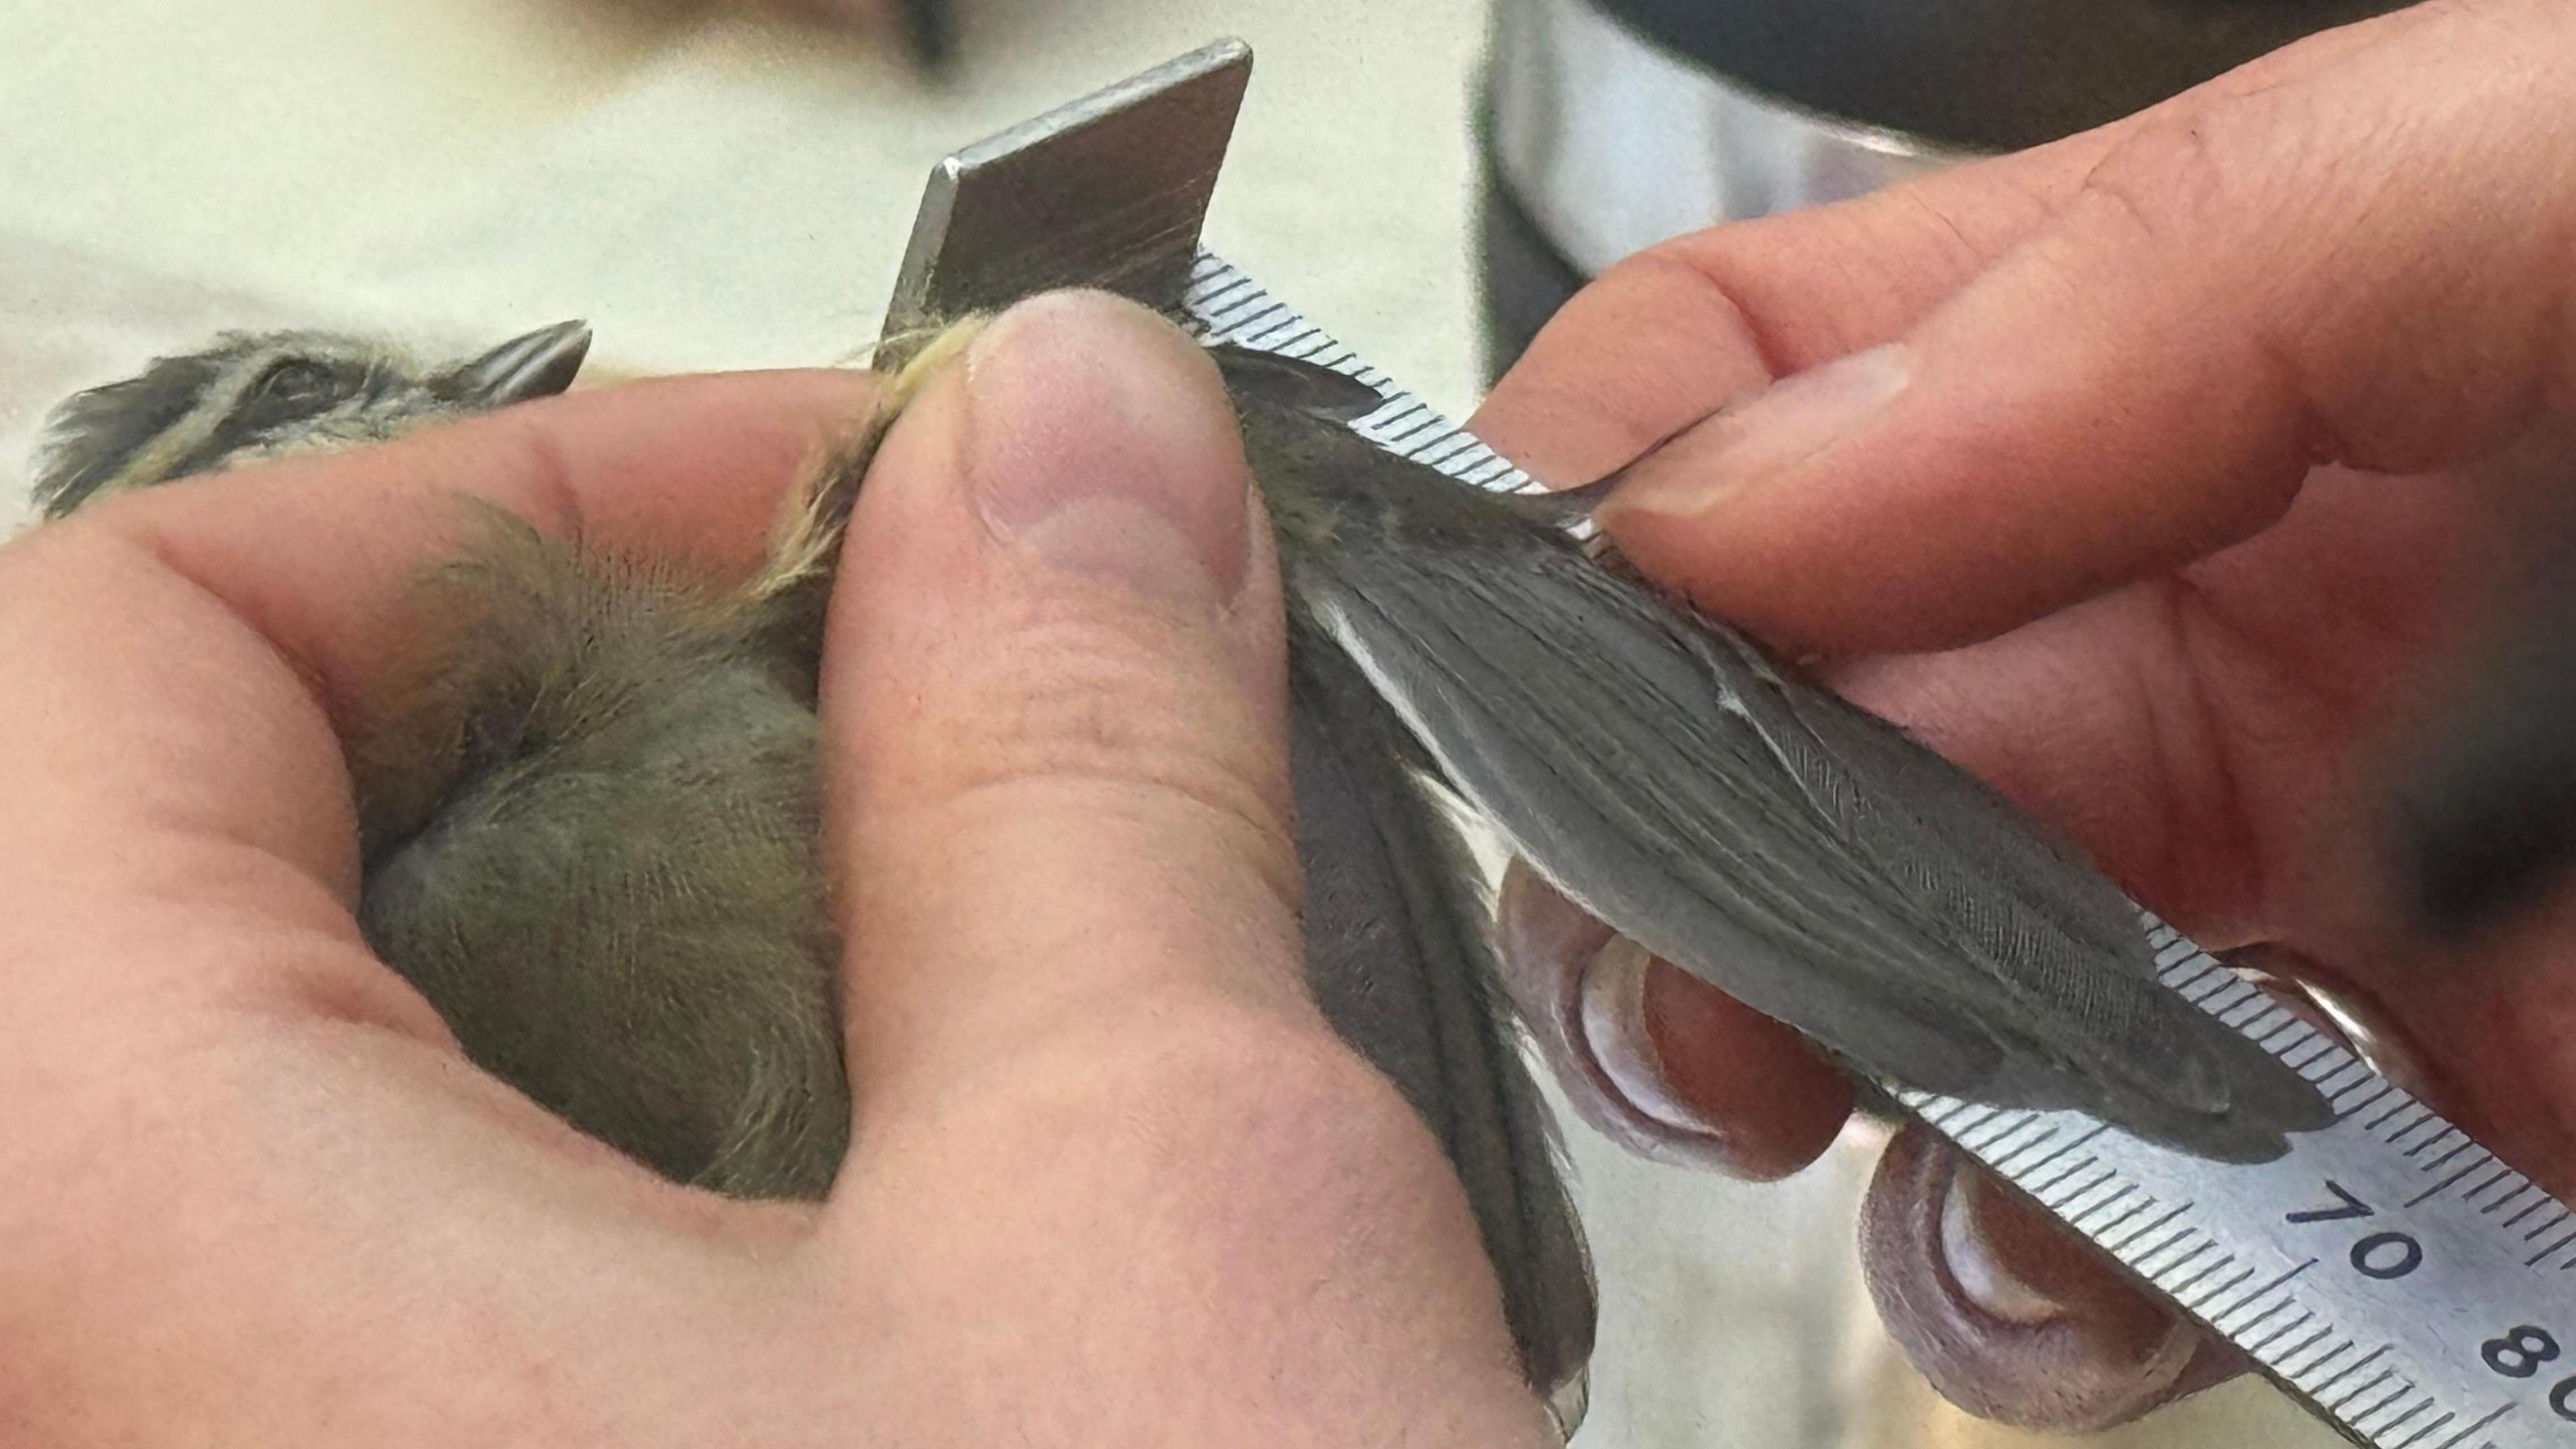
2004, 1312
1054, 701
1656, 1059
1102, 440
1650, 347
1732, 1064
1080, 441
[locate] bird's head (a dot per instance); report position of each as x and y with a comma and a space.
252, 396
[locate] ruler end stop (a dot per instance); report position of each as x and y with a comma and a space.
1107, 191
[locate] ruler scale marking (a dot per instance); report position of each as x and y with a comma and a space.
2277, 1332
2422, 1432
2480, 1427
2215, 1291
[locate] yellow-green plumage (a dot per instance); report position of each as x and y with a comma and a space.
591, 832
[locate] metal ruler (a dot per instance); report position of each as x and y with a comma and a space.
2388, 1272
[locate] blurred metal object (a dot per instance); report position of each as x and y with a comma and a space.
930, 28
1977, 75
1612, 144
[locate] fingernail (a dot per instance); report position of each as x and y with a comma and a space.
1613, 1013
1779, 428
1100, 440
2345, 1015
1982, 1270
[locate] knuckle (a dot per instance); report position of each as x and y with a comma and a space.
1712, 278
2162, 183
1640, 353
1077, 703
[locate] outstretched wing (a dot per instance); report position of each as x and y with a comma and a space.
1806, 857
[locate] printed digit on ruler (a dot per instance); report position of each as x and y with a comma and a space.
2386, 1255
2521, 1352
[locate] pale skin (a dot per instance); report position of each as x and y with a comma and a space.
1117, 1182
2154, 475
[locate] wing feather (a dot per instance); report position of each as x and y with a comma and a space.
1801, 854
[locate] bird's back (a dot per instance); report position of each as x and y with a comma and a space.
593, 846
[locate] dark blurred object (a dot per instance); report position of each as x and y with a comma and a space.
1610, 125
2483, 806
931, 28
591, 825
928, 27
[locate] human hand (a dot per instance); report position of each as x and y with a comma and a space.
1115, 1182
2152, 475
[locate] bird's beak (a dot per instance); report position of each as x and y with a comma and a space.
535, 364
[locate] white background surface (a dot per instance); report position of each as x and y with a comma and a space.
715, 193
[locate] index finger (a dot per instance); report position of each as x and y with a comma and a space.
1689, 327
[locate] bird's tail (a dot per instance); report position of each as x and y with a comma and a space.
1397, 958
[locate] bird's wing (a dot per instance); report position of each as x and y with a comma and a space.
1804, 856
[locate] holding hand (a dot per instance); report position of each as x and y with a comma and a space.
1120, 1182
2153, 475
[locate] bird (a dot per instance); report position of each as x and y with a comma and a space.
590, 821
249, 396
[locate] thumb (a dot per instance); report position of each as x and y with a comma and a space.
1090, 1080
1054, 702
2365, 263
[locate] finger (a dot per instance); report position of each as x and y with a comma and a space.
1691, 326
1658, 1060
2008, 1317
1057, 793
2238, 290
1055, 687
177, 660
1686, 328
690, 471
2008, 1314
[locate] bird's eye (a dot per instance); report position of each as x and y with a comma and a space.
297, 380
